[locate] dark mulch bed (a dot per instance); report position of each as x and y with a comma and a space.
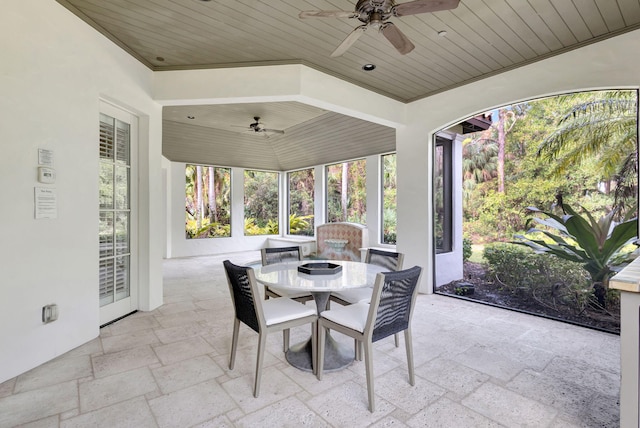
487, 291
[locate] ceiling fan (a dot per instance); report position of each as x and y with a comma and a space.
375, 14
258, 127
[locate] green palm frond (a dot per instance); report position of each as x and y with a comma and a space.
602, 127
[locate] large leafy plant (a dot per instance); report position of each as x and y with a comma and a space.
595, 244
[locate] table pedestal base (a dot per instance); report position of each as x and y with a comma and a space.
336, 355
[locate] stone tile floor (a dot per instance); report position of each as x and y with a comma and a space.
476, 366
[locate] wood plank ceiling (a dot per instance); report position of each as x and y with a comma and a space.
483, 38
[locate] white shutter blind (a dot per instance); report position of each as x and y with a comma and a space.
114, 230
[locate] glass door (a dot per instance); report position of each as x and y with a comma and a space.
116, 279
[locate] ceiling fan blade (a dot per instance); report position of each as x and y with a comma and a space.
350, 40
273, 131
397, 38
423, 6
327, 14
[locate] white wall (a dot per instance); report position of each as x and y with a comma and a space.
183, 247
607, 64
275, 83
54, 70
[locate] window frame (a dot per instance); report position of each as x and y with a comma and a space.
381, 204
279, 205
230, 173
326, 188
287, 207
447, 191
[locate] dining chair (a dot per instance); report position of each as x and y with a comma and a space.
262, 316
280, 255
390, 311
390, 260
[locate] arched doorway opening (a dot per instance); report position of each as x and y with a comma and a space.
573, 155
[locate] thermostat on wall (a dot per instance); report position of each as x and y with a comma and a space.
46, 175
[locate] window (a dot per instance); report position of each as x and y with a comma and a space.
260, 203
346, 192
301, 202
114, 196
389, 219
443, 229
208, 202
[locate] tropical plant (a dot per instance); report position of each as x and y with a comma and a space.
600, 125
301, 202
251, 228
299, 224
479, 163
495, 137
595, 244
261, 203
207, 201
346, 192
467, 248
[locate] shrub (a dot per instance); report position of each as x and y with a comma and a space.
549, 280
467, 248
510, 265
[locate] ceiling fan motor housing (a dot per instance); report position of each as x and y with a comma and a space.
367, 8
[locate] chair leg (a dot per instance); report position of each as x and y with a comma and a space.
358, 346
396, 337
409, 346
368, 363
320, 340
314, 347
262, 342
234, 343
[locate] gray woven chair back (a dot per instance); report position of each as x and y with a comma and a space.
385, 259
279, 255
241, 294
394, 311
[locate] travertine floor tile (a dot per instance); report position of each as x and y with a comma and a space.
476, 366
37, 404
451, 375
509, 409
289, 412
54, 372
191, 406
186, 373
128, 414
116, 388
122, 361
446, 413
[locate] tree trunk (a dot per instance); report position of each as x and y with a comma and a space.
345, 187
502, 117
213, 215
198, 191
600, 294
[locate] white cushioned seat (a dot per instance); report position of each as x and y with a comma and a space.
352, 316
284, 309
355, 295
290, 294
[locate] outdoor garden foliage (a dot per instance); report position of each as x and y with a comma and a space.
560, 145
546, 279
576, 150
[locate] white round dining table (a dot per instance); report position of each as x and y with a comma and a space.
287, 277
